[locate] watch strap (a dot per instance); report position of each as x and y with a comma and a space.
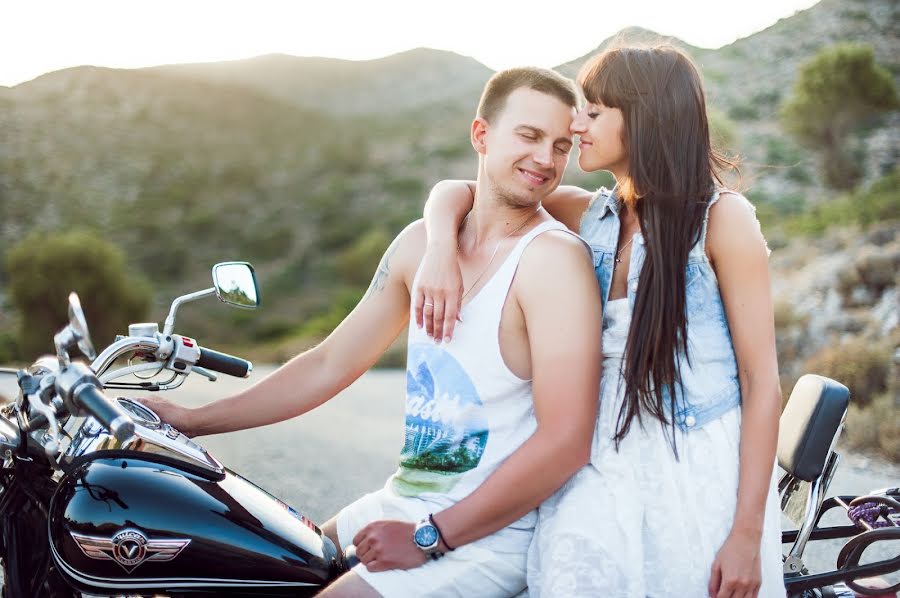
440, 533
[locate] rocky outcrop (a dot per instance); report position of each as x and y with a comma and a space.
841, 288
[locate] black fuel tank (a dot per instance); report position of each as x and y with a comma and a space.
138, 523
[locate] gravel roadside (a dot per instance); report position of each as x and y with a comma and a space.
349, 446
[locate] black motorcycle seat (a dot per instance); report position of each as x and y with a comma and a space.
809, 424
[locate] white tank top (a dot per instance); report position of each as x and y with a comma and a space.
466, 412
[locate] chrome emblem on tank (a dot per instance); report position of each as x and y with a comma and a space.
129, 548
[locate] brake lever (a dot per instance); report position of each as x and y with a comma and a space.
145, 386
205, 372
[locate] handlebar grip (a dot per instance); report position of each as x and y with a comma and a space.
224, 363
106, 410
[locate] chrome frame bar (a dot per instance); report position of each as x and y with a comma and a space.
141, 367
814, 500
121, 347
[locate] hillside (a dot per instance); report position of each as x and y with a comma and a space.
133, 154
308, 166
183, 173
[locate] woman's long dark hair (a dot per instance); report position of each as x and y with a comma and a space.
672, 173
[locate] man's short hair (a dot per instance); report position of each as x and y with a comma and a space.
503, 83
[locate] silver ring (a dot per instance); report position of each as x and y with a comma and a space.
429, 305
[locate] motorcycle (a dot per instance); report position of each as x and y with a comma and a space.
810, 426
99, 496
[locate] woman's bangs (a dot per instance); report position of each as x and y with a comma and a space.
600, 82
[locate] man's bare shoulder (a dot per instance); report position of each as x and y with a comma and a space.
413, 237
408, 248
556, 280
555, 258
556, 246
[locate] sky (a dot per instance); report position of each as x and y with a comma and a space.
38, 36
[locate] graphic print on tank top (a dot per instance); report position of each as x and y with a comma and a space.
446, 431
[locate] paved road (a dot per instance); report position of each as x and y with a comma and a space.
349, 446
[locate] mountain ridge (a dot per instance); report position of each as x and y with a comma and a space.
411, 79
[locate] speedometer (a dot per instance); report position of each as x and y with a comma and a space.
141, 415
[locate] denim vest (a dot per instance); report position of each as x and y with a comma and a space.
709, 382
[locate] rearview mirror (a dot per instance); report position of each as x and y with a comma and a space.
235, 284
78, 323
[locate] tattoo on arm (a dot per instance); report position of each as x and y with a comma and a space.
381, 274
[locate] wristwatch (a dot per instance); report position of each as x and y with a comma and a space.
427, 538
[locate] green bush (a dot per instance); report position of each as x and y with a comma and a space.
857, 14
861, 365
394, 357
270, 242
800, 174
774, 212
356, 265
453, 151
790, 205
273, 329
722, 130
744, 112
321, 325
781, 152
405, 186
9, 348
840, 90
43, 269
878, 203
769, 97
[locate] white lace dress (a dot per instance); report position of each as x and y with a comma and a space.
638, 522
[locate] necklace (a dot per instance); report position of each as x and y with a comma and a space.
494, 254
624, 247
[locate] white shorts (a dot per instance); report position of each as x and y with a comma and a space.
466, 572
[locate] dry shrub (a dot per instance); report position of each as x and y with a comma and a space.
861, 365
787, 317
873, 271
790, 336
878, 268
875, 427
847, 280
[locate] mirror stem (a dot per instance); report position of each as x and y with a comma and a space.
170, 320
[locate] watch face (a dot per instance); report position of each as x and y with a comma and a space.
426, 536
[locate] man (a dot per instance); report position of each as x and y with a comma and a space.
496, 419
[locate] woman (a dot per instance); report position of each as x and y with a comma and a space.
679, 498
